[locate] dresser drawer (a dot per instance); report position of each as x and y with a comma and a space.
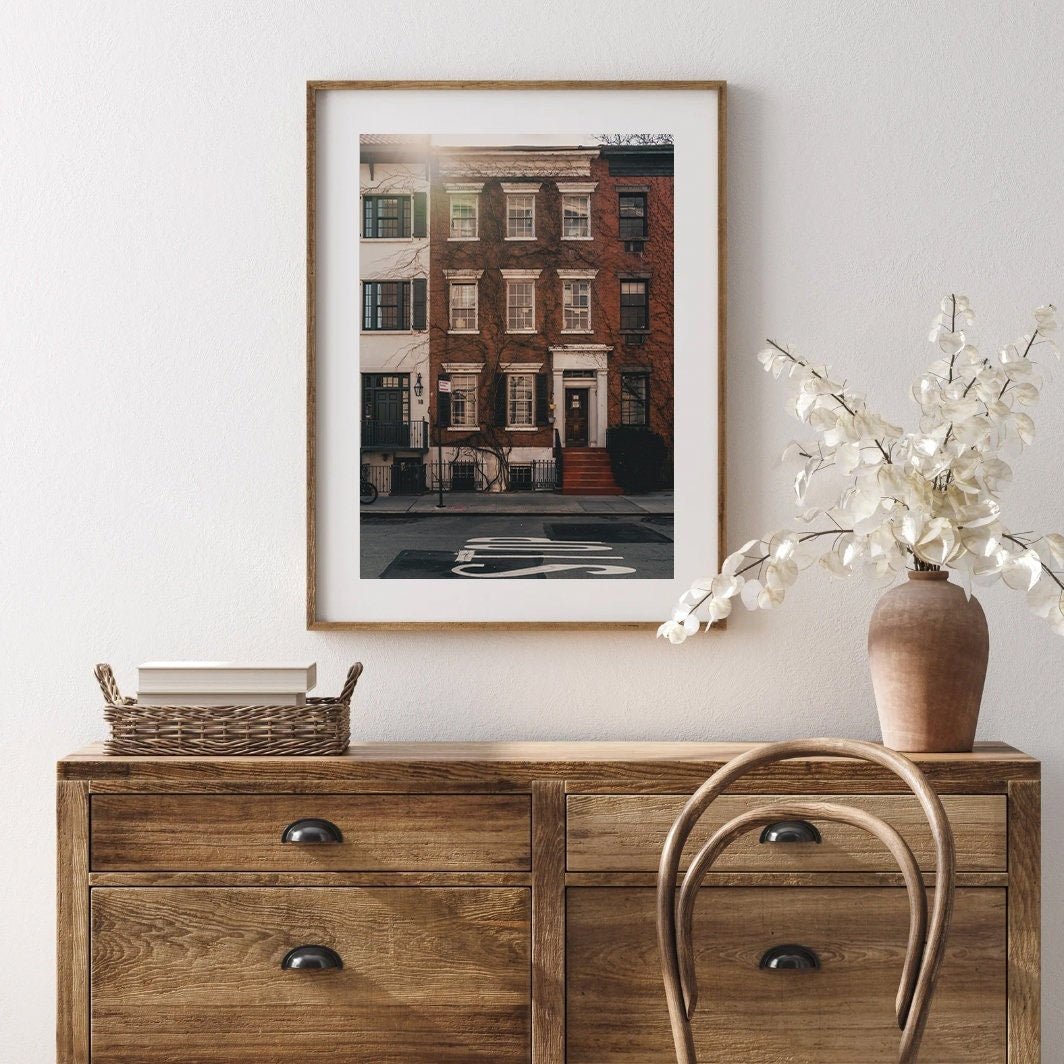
194, 976
625, 833
380, 832
841, 1013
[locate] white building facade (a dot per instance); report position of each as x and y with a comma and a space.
394, 188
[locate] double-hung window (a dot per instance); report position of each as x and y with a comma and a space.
465, 212
520, 306
463, 306
576, 216
635, 310
520, 400
386, 217
635, 391
464, 400
632, 221
520, 216
576, 306
385, 306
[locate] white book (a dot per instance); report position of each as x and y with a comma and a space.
228, 698
225, 677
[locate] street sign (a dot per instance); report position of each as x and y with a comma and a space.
445, 386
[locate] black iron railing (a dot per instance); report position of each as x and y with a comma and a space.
401, 435
408, 479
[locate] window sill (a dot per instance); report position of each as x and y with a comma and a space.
463, 332
578, 238
462, 239
520, 239
522, 428
521, 332
577, 332
392, 239
461, 428
391, 332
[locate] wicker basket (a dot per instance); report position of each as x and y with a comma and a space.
322, 726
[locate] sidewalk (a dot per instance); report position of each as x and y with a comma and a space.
514, 504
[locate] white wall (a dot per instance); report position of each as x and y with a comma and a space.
152, 332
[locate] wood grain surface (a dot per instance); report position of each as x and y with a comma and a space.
1025, 923
72, 923
396, 832
608, 767
840, 1014
193, 976
622, 832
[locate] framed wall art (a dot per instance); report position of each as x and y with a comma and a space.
515, 330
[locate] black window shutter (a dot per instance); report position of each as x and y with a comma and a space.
500, 400
542, 412
421, 214
421, 286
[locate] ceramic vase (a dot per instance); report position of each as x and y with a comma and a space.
928, 645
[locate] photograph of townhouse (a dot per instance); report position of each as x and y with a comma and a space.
515, 357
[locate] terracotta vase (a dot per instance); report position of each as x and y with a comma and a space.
927, 648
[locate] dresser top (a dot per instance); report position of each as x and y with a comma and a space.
514, 765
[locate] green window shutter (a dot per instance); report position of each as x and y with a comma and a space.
420, 315
500, 400
542, 409
421, 214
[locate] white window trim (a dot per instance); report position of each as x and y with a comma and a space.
470, 278
468, 189
524, 371
524, 277
519, 189
578, 275
578, 188
469, 369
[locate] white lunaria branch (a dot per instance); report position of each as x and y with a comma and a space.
926, 499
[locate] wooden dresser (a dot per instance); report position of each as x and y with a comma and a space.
495, 902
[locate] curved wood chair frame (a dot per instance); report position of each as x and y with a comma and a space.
926, 944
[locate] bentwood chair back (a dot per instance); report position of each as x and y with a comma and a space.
927, 939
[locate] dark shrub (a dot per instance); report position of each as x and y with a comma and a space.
639, 459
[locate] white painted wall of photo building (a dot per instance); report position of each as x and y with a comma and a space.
152, 376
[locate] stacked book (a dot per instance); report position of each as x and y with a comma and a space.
224, 683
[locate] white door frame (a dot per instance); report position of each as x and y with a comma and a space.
590, 358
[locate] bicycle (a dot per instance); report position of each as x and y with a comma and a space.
367, 492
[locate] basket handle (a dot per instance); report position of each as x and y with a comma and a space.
105, 677
348, 688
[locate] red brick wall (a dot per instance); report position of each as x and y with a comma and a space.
549, 253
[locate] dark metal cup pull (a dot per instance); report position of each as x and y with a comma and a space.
313, 830
311, 959
796, 958
791, 831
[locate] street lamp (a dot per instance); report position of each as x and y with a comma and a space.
443, 416
419, 388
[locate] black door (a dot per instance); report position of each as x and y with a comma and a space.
388, 416
576, 416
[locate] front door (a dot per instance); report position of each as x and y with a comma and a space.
576, 416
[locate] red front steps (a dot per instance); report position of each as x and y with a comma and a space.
587, 471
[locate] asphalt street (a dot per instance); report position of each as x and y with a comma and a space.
528, 546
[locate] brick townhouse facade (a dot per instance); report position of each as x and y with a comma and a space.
549, 306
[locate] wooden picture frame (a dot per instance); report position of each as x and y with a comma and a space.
322, 615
